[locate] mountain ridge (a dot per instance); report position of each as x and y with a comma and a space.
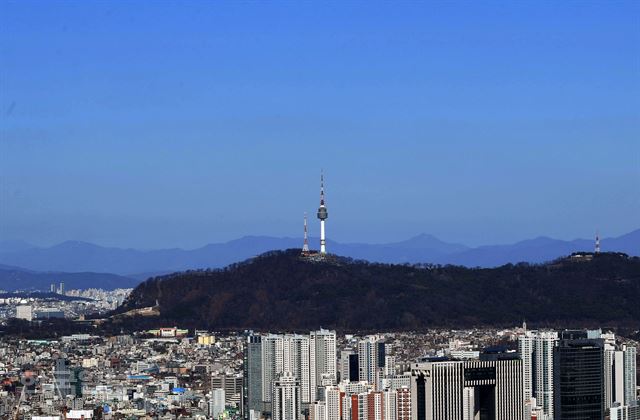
283, 290
78, 256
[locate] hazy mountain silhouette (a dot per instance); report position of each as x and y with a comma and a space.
15, 278
74, 256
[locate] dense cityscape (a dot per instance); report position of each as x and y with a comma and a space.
443, 374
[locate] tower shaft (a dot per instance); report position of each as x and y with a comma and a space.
322, 215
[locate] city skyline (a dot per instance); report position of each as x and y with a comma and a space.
484, 123
167, 173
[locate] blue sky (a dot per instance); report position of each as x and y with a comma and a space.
161, 124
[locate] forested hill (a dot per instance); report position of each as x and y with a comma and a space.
281, 290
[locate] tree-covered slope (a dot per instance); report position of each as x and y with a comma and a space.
280, 290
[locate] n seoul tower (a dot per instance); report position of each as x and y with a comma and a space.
322, 215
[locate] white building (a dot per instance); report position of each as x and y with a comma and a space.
322, 360
332, 401
24, 312
285, 353
390, 405
217, 403
630, 380
536, 351
619, 375
318, 410
286, 398
440, 390
371, 357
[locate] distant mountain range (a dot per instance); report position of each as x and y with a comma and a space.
75, 257
16, 278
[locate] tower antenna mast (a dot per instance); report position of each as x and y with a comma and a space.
305, 245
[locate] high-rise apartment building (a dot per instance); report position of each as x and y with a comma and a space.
286, 397
371, 359
349, 371
333, 400
403, 404
630, 379
285, 353
536, 351
322, 361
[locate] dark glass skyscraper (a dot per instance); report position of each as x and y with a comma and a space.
252, 380
578, 378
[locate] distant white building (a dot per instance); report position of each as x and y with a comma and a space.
217, 404
24, 312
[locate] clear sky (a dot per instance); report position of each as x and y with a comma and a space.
160, 124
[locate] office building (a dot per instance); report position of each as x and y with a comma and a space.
231, 384
490, 389
62, 376
578, 377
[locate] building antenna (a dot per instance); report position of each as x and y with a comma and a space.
305, 245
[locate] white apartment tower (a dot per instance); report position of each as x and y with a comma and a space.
332, 396
630, 384
285, 353
536, 351
371, 356
322, 360
619, 375
286, 398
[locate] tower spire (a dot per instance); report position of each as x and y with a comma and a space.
322, 215
597, 242
305, 245
321, 188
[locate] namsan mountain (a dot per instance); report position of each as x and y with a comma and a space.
282, 290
